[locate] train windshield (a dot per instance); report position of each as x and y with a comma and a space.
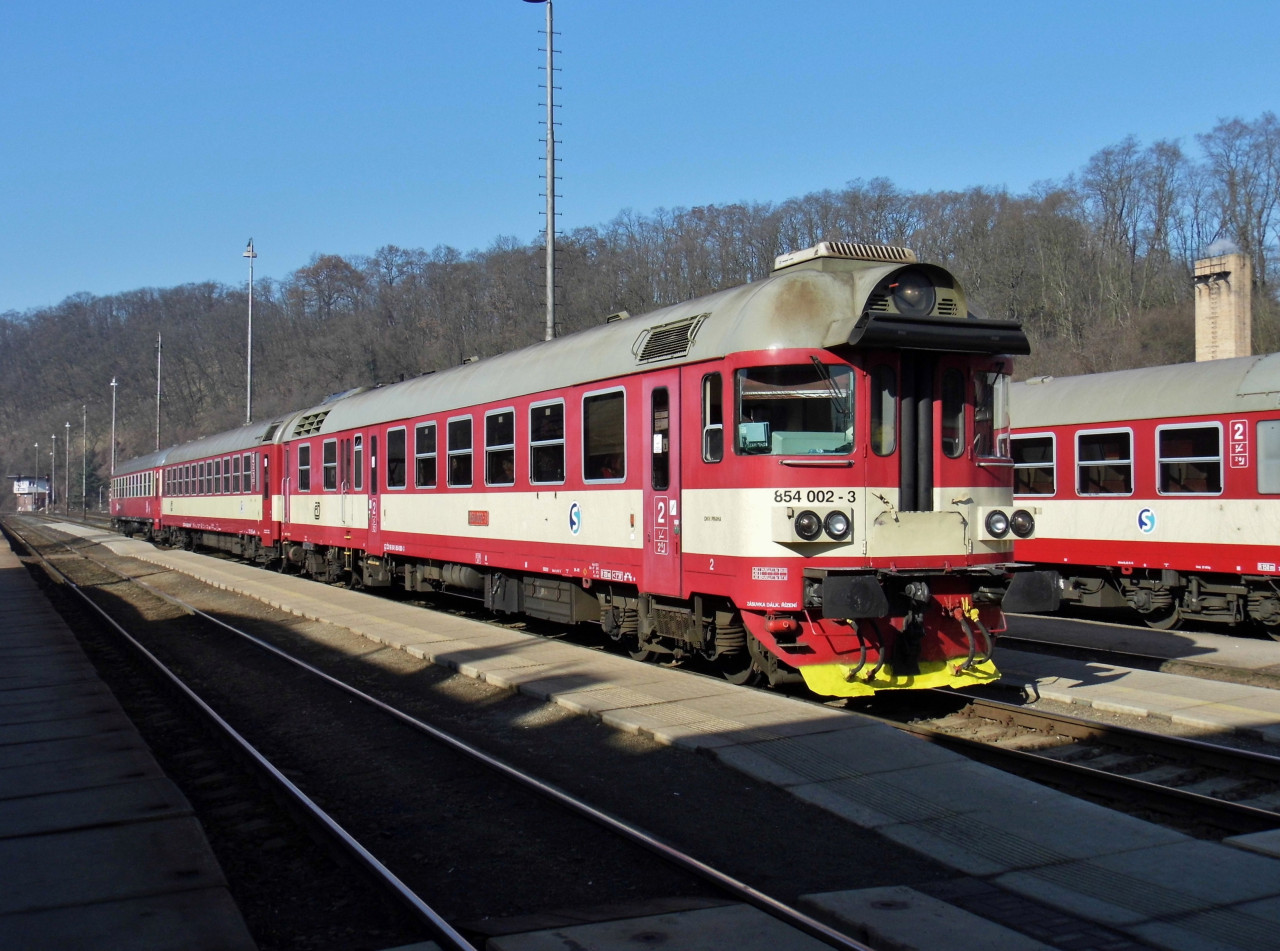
795, 409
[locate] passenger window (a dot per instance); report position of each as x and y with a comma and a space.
1033, 472
304, 467
459, 448
329, 462
1104, 463
1190, 460
500, 447
546, 443
712, 418
396, 458
604, 437
424, 456
359, 464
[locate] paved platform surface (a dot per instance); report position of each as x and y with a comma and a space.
1158, 887
98, 849
1206, 704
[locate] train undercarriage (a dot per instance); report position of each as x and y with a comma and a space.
1166, 599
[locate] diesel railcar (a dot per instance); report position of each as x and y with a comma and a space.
1157, 489
805, 477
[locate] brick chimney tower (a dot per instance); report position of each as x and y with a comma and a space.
1224, 307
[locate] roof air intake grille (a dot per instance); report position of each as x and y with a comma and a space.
667, 341
309, 425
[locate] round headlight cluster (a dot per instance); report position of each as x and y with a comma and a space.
913, 294
1021, 523
810, 525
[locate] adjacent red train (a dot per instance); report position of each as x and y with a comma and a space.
802, 477
1157, 488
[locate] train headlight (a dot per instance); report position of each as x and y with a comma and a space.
808, 526
837, 525
913, 294
997, 524
1022, 523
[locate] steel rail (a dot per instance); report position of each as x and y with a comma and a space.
425, 913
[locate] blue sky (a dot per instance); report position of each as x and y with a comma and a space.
144, 141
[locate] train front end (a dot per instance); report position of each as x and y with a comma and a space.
882, 460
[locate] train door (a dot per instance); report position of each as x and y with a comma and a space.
374, 544
286, 484
661, 454
344, 481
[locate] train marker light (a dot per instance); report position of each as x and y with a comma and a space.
913, 294
808, 526
837, 525
1022, 523
998, 524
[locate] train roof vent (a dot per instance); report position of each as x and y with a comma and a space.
668, 340
272, 430
848, 251
309, 425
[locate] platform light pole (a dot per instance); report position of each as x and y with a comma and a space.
551, 176
248, 386
158, 353
37, 488
113, 427
66, 470
53, 471
84, 459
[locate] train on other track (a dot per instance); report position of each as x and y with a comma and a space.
802, 478
1157, 489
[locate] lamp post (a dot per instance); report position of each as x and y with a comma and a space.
84, 460
113, 427
551, 178
53, 470
248, 386
37, 489
66, 470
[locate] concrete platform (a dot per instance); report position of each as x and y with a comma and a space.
98, 849
1157, 886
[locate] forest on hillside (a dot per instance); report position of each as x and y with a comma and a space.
1098, 268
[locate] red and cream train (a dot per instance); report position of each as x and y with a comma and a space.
803, 477
1157, 488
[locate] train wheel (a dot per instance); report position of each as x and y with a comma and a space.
741, 670
1167, 618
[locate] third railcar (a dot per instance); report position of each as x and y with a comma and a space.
803, 477
1157, 488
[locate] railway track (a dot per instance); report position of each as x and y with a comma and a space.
263, 691
1207, 789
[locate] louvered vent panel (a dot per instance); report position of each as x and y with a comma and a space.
947, 306
878, 302
309, 425
668, 340
871, 252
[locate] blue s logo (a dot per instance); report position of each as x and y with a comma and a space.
1147, 521
575, 518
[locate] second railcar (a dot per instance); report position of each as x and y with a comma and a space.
1158, 488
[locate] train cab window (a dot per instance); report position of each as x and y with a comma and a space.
458, 438
884, 410
500, 447
712, 418
304, 467
424, 456
604, 445
991, 414
660, 450
397, 458
329, 464
1189, 459
1033, 472
546, 443
953, 412
799, 409
359, 463
1104, 462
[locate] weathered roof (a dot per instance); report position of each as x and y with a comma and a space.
1241, 384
